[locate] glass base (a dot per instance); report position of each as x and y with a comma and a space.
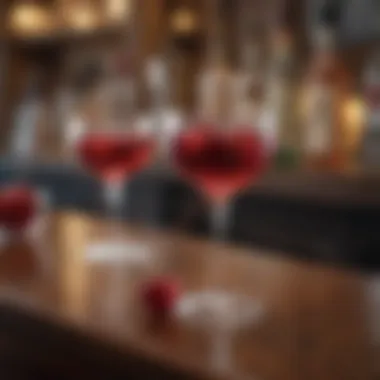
119, 252
219, 314
218, 309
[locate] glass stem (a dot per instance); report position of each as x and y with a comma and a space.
221, 351
158, 114
114, 200
219, 220
219, 227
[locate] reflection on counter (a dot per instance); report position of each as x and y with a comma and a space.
74, 272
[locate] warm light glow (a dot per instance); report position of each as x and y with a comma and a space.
30, 18
184, 21
82, 17
118, 10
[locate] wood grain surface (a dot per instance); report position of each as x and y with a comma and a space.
315, 324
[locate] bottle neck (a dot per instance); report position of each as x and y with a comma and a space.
282, 52
216, 56
216, 52
250, 57
372, 69
159, 82
325, 39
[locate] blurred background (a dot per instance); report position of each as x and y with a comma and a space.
304, 73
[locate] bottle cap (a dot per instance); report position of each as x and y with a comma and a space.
330, 14
282, 42
156, 73
324, 37
250, 55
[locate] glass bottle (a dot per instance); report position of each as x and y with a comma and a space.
23, 140
248, 98
326, 92
75, 109
281, 100
165, 115
216, 79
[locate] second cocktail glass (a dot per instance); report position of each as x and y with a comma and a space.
220, 162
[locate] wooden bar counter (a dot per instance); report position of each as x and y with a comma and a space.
314, 327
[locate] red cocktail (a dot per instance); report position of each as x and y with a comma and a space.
113, 156
220, 163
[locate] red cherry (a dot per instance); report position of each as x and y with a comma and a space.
159, 296
17, 207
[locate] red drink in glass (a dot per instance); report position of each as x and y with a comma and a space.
220, 162
18, 206
114, 156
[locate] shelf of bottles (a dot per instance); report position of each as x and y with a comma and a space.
312, 113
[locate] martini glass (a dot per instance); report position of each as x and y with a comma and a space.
220, 163
114, 153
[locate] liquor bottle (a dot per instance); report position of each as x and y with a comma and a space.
71, 121
28, 114
371, 97
249, 79
261, 84
249, 87
76, 107
281, 100
326, 92
215, 83
165, 117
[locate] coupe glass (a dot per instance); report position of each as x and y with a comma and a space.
114, 149
220, 163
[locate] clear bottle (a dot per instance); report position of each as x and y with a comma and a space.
281, 100
164, 117
215, 83
326, 92
76, 110
371, 97
28, 114
258, 86
71, 121
248, 87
